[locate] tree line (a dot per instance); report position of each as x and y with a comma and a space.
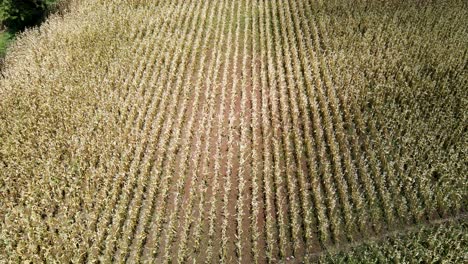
16, 15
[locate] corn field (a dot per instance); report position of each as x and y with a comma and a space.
249, 131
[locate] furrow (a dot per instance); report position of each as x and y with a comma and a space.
150, 180
257, 212
295, 220
172, 140
245, 148
174, 217
278, 153
295, 80
115, 193
272, 236
227, 249
350, 173
212, 216
374, 162
211, 92
136, 205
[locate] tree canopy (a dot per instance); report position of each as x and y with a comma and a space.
19, 14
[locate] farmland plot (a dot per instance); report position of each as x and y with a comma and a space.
246, 131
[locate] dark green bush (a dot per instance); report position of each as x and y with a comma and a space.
16, 15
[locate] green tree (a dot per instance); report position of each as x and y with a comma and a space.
19, 14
